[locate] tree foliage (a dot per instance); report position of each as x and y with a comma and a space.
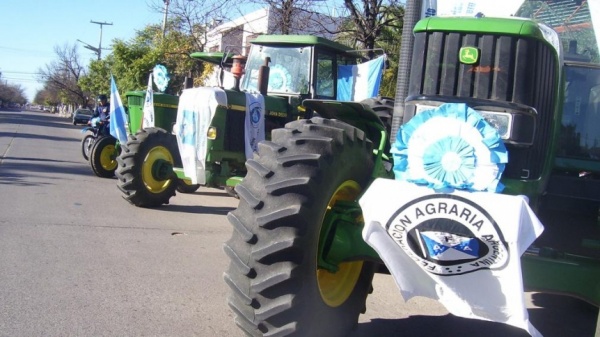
12, 93
61, 77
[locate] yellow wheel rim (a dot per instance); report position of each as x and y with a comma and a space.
152, 184
335, 288
108, 160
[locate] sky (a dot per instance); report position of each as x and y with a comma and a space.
30, 30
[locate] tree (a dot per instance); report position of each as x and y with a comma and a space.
61, 77
12, 93
367, 21
192, 17
132, 61
298, 17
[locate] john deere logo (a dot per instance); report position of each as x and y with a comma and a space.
469, 55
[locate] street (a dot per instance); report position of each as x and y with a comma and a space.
78, 260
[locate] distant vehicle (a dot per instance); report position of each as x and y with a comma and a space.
82, 116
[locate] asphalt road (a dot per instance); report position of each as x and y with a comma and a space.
78, 260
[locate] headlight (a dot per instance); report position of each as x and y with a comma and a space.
500, 121
513, 126
211, 133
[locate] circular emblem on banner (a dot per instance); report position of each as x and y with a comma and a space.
255, 114
448, 235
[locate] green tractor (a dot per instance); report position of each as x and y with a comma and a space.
145, 165
296, 254
301, 67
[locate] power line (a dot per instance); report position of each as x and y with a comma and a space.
25, 50
18, 72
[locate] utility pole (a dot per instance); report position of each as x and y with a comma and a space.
99, 52
164, 27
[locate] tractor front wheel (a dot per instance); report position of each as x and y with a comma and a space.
145, 171
279, 284
103, 157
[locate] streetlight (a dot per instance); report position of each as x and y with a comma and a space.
98, 50
92, 48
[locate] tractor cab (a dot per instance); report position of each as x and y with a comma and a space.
303, 66
300, 65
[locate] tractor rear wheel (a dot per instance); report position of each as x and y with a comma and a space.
145, 170
277, 286
86, 146
383, 107
103, 157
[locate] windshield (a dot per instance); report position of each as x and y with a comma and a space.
84, 112
289, 69
580, 134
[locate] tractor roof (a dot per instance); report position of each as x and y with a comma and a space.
300, 40
511, 26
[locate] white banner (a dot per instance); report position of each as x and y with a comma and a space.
460, 248
195, 112
255, 122
148, 114
505, 8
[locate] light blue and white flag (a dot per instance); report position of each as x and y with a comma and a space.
359, 82
254, 123
148, 119
118, 118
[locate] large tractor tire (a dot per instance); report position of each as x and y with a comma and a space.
383, 107
103, 157
145, 171
86, 146
277, 288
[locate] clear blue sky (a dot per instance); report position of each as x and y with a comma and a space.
30, 29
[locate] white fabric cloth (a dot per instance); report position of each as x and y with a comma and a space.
255, 123
195, 112
461, 248
148, 114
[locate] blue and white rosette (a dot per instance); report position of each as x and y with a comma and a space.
161, 77
451, 146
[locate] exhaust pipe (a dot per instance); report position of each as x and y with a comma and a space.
263, 76
412, 14
237, 70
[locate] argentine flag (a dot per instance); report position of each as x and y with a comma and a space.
118, 118
359, 82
